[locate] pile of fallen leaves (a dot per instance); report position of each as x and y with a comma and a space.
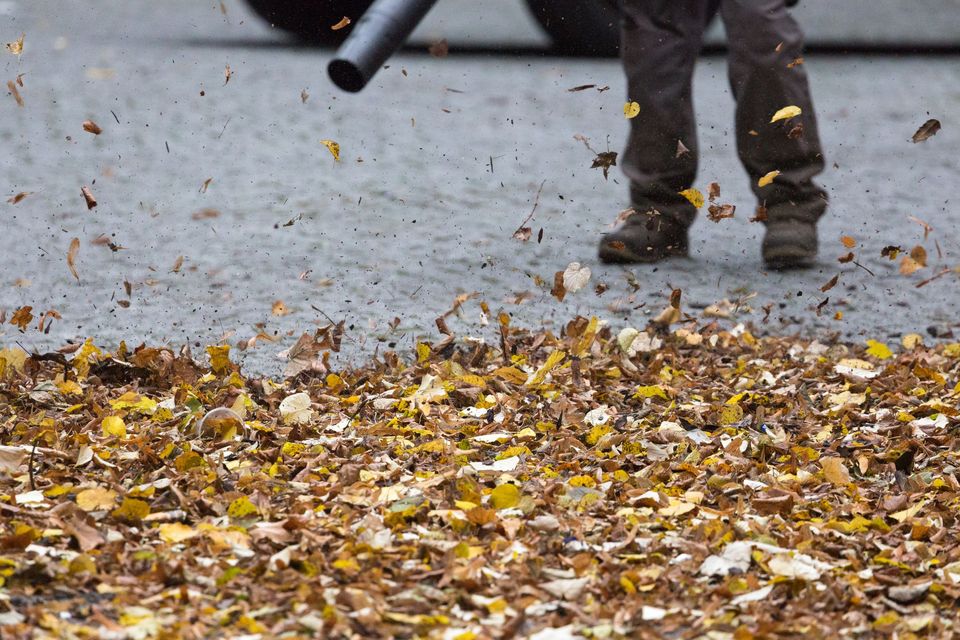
694, 483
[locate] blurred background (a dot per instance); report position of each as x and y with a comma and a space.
222, 216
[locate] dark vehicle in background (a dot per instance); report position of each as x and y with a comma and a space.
576, 27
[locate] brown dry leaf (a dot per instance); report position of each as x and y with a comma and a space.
909, 265
72, 257
835, 471
344, 21
11, 458
716, 213
302, 356
926, 131
760, 215
848, 242
831, 283
205, 214
846, 258
682, 149
713, 191
796, 62
227, 74
203, 189
20, 196
796, 132
92, 127
919, 255
439, 49
87, 537
558, 291
88, 197
279, 308
523, 233
177, 264
605, 160
304, 96
46, 320
675, 296
22, 317
15, 92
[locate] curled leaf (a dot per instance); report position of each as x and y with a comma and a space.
72, 257
333, 147
927, 130
768, 178
786, 113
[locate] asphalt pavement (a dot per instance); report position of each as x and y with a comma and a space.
219, 199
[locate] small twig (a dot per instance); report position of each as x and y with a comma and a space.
865, 269
536, 201
33, 450
932, 278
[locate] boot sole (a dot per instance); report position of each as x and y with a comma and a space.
788, 258
612, 255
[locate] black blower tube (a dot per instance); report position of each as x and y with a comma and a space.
382, 30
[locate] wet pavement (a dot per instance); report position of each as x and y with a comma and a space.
441, 159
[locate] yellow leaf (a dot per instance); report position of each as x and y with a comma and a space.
473, 380
768, 179
511, 374
731, 414
627, 584
694, 196
586, 340
878, 350
16, 47
219, 358
132, 510
907, 514
650, 391
835, 471
423, 352
132, 401
553, 360
114, 426
241, 508
70, 388
96, 499
786, 113
505, 496
631, 110
333, 147
848, 242
347, 565
175, 532
912, 341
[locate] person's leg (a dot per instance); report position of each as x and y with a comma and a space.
660, 40
765, 43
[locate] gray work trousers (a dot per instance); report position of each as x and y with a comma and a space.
660, 43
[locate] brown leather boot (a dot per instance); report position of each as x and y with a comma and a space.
644, 237
789, 244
